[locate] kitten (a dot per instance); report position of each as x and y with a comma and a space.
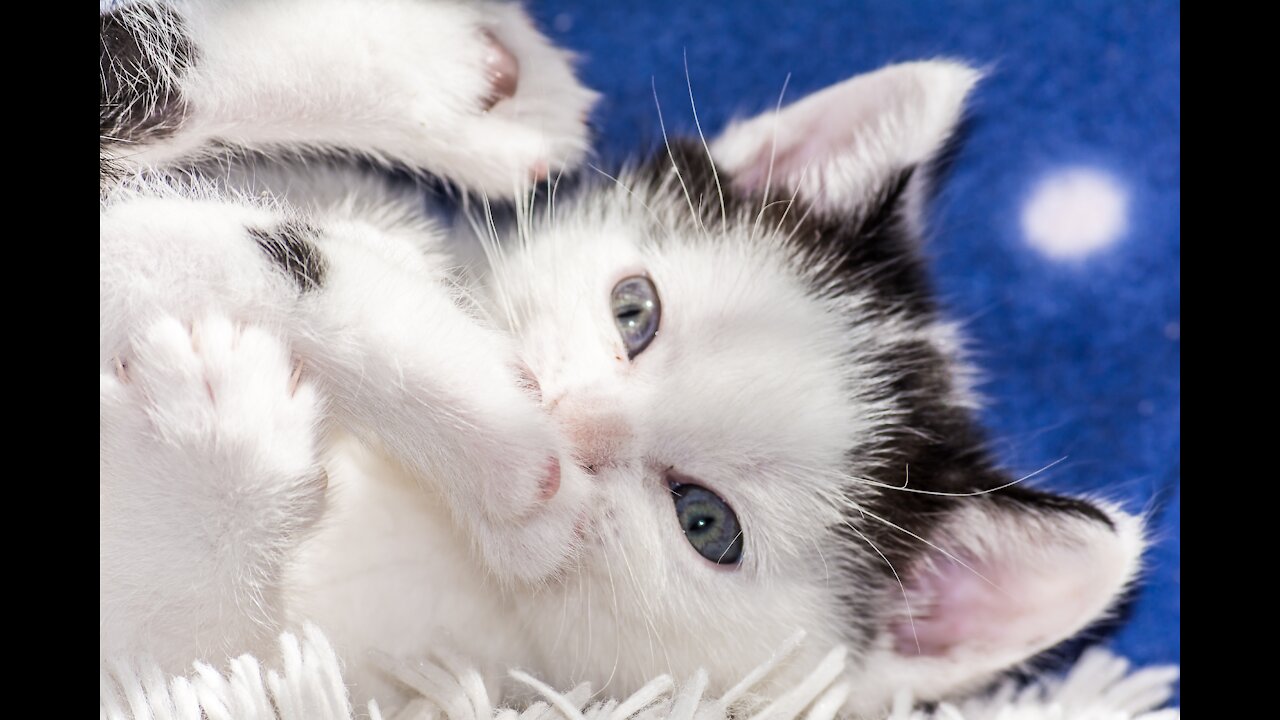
665, 424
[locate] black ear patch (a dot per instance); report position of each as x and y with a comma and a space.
291, 247
142, 48
871, 249
1020, 497
684, 167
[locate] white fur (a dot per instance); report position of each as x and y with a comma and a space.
209, 470
398, 81
437, 530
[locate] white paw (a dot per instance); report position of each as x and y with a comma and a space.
208, 478
533, 493
219, 400
539, 124
498, 106
214, 427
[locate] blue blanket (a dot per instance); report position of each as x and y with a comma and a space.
1056, 231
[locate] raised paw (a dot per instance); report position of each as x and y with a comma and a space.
209, 476
534, 494
540, 116
494, 105
226, 401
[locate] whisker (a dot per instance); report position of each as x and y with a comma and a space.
825, 570
497, 262
905, 600
937, 493
950, 556
648, 609
726, 550
671, 154
656, 218
551, 201
617, 620
714, 172
808, 209
773, 148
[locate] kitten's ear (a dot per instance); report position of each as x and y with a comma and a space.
841, 145
1027, 570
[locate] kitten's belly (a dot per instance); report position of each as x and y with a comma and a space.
386, 570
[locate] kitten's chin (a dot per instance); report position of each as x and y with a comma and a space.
539, 547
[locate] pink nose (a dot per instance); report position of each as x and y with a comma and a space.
598, 431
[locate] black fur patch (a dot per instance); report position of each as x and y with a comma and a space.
1017, 496
291, 246
940, 448
873, 251
139, 98
869, 250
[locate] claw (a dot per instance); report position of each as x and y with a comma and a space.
504, 71
295, 379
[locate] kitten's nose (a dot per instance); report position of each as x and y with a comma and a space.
597, 429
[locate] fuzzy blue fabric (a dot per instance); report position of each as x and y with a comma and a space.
1082, 352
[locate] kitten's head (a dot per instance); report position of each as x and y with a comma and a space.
773, 427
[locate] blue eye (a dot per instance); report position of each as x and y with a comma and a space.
709, 524
637, 312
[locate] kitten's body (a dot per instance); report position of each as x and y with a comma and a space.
395, 485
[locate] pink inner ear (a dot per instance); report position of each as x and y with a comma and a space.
835, 146
1021, 603
951, 606
799, 155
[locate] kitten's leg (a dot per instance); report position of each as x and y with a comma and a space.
470, 91
411, 366
401, 355
208, 480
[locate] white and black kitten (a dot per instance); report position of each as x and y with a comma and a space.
667, 422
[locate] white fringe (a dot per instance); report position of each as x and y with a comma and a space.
308, 686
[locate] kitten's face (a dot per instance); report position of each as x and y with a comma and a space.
744, 389
740, 393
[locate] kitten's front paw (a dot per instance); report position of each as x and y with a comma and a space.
535, 496
209, 475
504, 110
540, 544
221, 402
539, 122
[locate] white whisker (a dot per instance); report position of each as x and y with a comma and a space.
671, 154
724, 221
950, 556
773, 149
905, 600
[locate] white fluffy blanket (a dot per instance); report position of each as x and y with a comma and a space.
308, 685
